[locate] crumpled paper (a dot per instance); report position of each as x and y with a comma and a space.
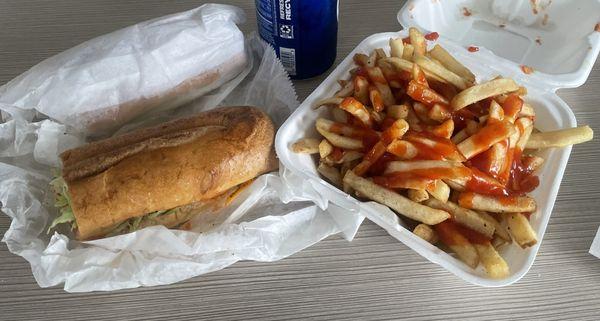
595, 248
273, 218
157, 64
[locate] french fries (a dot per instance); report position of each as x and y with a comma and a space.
446, 59
450, 235
492, 262
425, 232
480, 92
521, 231
560, 138
413, 130
464, 216
395, 201
306, 146
441, 72
497, 204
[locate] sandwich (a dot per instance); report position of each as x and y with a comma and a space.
163, 175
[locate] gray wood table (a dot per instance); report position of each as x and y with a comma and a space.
373, 277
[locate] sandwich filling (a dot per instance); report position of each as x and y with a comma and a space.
181, 214
62, 201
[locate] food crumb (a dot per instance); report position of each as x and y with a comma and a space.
545, 19
466, 12
597, 27
473, 49
526, 69
546, 5
533, 6
538, 40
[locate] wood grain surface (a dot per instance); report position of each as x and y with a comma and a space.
373, 277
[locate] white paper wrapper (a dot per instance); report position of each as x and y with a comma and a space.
154, 65
268, 221
595, 248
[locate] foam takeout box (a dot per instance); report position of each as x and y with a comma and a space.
556, 39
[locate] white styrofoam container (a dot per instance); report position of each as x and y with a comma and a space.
457, 32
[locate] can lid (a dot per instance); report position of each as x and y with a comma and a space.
559, 40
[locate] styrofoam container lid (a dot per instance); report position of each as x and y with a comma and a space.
558, 39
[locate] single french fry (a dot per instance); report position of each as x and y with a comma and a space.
520, 230
497, 204
375, 98
361, 89
397, 111
486, 137
450, 235
456, 185
422, 112
358, 110
330, 173
306, 146
339, 115
342, 128
417, 40
395, 201
532, 163
331, 101
463, 216
395, 181
498, 242
499, 230
380, 53
403, 64
341, 141
439, 190
425, 232
560, 138
402, 149
492, 262
417, 195
443, 130
434, 147
460, 136
396, 47
407, 166
496, 157
370, 158
377, 78
325, 148
527, 111
372, 59
525, 126
496, 111
512, 106
418, 75
441, 71
448, 61
429, 169
479, 92
424, 94
408, 52
360, 59
346, 90
396, 130
439, 113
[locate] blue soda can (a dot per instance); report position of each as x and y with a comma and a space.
303, 33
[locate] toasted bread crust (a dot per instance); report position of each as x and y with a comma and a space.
166, 166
